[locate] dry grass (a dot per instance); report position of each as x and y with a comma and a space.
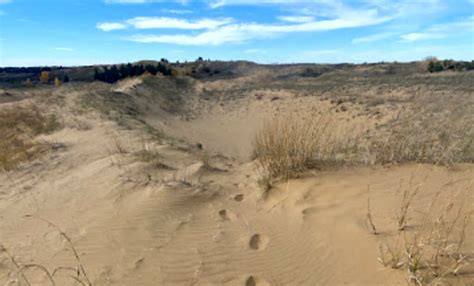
78, 273
18, 126
408, 195
116, 145
287, 146
445, 144
433, 254
369, 219
437, 129
145, 152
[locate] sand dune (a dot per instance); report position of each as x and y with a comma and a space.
186, 216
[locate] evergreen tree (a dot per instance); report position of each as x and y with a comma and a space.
96, 74
130, 70
151, 69
123, 71
114, 74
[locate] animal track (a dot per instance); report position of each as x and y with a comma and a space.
258, 242
239, 197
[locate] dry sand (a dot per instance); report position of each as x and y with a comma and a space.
200, 222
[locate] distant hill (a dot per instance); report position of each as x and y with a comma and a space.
214, 70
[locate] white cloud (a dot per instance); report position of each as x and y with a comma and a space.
164, 23
296, 19
177, 11
434, 32
441, 31
62, 49
414, 37
108, 26
173, 23
245, 31
465, 25
220, 3
372, 38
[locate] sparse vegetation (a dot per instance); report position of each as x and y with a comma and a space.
432, 254
408, 195
438, 130
78, 273
369, 219
286, 146
18, 126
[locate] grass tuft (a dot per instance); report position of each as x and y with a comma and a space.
287, 146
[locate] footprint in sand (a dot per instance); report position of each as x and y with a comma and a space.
258, 242
309, 211
239, 197
250, 281
254, 281
227, 215
223, 214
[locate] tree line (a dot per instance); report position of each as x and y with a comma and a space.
113, 73
438, 66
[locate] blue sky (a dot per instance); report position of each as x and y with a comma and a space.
76, 32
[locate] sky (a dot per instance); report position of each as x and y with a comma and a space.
84, 32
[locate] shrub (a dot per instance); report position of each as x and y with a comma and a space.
435, 67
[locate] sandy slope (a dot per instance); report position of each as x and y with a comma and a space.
195, 225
